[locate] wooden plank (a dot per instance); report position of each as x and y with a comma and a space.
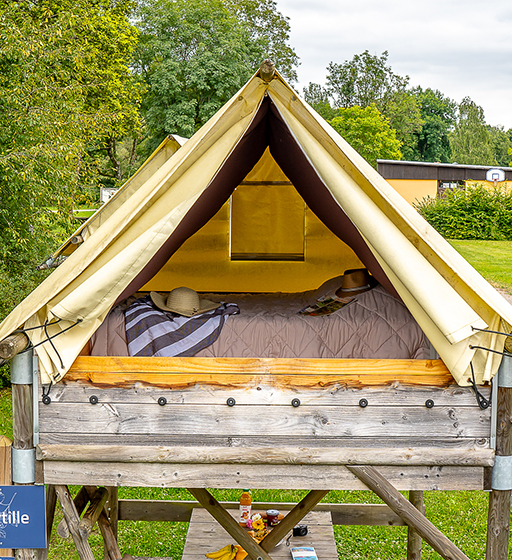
205, 535
426, 456
125, 371
386, 421
206, 440
402, 507
255, 476
331, 390
174, 511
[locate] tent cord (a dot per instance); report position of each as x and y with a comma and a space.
49, 338
483, 403
488, 350
488, 331
35, 328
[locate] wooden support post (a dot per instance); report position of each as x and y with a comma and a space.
23, 451
112, 510
498, 520
5, 474
252, 548
402, 507
13, 345
80, 501
288, 523
72, 520
413, 537
51, 501
98, 500
110, 539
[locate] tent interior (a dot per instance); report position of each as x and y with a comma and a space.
266, 224
280, 214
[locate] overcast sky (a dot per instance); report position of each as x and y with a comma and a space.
460, 47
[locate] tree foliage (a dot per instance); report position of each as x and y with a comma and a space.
195, 55
64, 84
470, 140
368, 80
438, 115
368, 132
364, 80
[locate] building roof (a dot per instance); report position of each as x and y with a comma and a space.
423, 170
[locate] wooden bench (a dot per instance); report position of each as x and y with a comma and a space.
205, 534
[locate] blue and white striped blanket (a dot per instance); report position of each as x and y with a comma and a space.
153, 332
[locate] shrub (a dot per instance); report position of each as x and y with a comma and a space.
474, 213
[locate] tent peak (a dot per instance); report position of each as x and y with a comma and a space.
267, 70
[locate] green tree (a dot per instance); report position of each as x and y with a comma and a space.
470, 140
501, 143
368, 132
64, 84
318, 97
269, 34
195, 55
438, 115
364, 80
367, 79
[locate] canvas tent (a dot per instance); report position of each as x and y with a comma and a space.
447, 297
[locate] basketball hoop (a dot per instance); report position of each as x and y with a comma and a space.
495, 175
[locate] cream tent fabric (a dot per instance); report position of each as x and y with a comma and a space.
448, 298
166, 149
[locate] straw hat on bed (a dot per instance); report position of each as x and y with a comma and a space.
355, 281
183, 301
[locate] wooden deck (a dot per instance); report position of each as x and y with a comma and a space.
206, 535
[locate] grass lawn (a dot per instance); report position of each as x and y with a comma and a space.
462, 516
493, 259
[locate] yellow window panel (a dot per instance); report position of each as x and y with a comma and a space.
267, 222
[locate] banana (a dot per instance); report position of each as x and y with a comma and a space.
227, 552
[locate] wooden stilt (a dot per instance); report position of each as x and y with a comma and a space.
23, 429
402, 507
51, 502
97, 501
80, 501
413, 537
72, 520
498, 521
112, 510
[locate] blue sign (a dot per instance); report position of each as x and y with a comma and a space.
22, 517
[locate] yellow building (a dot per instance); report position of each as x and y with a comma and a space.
415, 180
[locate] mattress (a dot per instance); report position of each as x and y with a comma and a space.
375, 325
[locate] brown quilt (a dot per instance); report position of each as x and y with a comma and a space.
374, 325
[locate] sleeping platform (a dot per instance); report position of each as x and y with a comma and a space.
258, 308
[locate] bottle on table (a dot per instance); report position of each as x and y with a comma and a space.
245, 507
